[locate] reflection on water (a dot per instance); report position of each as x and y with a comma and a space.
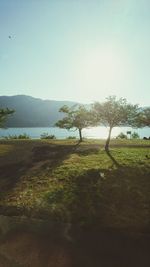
28, 242
94, 132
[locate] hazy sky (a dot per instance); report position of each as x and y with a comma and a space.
82, 50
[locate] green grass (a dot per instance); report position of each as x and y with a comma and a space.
77, 183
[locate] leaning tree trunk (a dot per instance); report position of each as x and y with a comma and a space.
108, 140
80, 135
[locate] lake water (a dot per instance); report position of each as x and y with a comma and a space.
94, 132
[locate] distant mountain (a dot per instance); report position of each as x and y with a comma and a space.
32, 112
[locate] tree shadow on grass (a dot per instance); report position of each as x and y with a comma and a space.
104, 197
52, 155
58, 152
10, 174
110, 206
86, 150
113, 159
42, 158
116, 206
108, 216
47, 155
90, 197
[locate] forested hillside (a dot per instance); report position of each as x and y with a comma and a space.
32, 112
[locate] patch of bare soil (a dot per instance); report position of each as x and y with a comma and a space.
39, 244
29, 249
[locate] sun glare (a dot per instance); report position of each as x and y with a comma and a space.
100, 68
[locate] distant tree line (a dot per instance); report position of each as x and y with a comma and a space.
111, 113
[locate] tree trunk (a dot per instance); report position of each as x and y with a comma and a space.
80, 135
108, 140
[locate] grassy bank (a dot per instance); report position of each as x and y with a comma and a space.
77, 183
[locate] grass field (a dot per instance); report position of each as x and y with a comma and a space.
77, 183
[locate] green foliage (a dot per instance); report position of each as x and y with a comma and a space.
143, 118
4, 113
71, 137
114, 113
135, 135
20, 136
121, 136
47, 136
77, 117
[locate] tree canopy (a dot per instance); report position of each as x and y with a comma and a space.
114, 113
143, 118
77, 117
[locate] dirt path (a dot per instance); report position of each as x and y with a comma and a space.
28, 243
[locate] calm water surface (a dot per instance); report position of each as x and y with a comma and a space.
94, 132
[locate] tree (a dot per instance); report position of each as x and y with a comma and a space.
114, 113
77, 117
135, 135
4, 113
143, 118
